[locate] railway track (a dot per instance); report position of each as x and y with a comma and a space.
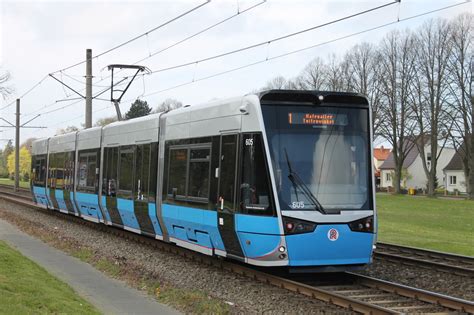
354, 292
455, 264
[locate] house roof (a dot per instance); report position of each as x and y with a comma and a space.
381, 154
455, 164
409, 159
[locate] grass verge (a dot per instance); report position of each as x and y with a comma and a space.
187, 300
433, 223
7, 181
27, 288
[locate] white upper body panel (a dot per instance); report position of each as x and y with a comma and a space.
62, 143
39, 146
222, 116
133, 131
89, 138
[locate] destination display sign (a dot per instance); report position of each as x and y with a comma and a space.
316, 119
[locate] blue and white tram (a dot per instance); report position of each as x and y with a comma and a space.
282, 178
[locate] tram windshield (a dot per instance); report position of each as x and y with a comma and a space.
320, 157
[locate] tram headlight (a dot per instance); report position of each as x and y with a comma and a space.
363, 225
296, 226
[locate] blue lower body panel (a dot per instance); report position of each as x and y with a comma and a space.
196, 226
154, 219
259, 236
330, 245
40, 195
89, 205
125, 208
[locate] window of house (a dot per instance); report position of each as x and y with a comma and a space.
452, 180
388, 177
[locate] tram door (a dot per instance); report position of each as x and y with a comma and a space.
226, 207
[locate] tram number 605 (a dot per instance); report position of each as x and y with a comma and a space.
249, 142
297, 205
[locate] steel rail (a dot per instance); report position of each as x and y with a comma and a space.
328, 294
446, 262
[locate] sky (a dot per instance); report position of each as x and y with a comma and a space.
38, 38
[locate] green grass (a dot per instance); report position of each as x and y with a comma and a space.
432, 223
7, 181
26, 288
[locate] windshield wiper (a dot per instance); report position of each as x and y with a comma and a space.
298, 182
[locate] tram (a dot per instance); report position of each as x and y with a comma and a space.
279, 178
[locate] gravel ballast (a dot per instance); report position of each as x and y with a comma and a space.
240, 293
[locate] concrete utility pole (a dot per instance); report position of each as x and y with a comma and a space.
17, 146
88, 88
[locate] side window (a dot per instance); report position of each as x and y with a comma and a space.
68, 180
109, 180
255, 192
153, 170
178, 161
227, 171
189, 175
126, 167
142, 180
199, 164
38, 170
86, 171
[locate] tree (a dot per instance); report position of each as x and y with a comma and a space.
105, 121
5, 91
6, 152
363, 63
277, 83
27, 143
3, 166
461, 109
396, 72
313, 75
68, 129
429, 100
25, 163
167, 105
139, 108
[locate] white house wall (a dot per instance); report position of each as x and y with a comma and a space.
460, 181
417, 178
383, 178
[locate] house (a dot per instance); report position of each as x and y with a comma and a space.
413, 174
455, 179
380, 155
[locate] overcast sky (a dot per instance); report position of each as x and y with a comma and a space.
40, 37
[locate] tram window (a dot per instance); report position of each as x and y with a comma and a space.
109, 181
38, 170
56, 170
86, 171
68, 181
153, 170
142, 172
125, 181
255, 196
227, 170
199, 164
177, 173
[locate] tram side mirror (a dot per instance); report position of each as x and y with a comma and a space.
175, 192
